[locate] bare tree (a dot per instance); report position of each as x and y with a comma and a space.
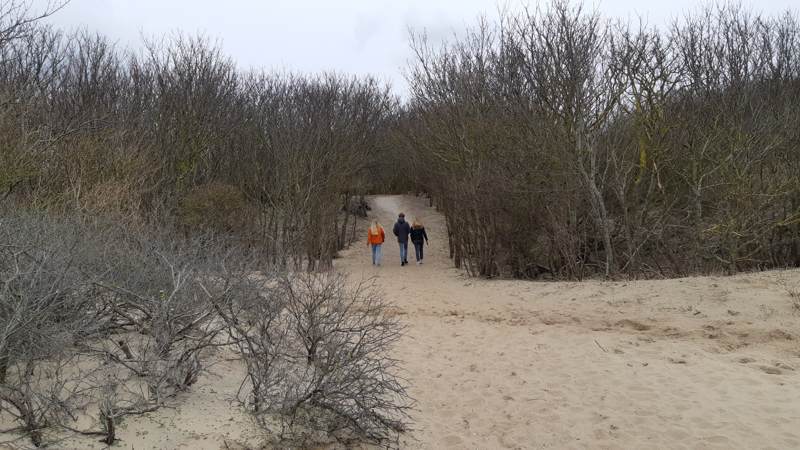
17, 17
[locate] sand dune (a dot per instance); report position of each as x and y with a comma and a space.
710, 362
688, 363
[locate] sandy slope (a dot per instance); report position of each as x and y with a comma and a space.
688, 363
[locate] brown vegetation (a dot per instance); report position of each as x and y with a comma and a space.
176, 134
556, 142
159, 206
98, 323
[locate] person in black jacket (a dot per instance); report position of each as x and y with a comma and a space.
419, 237
402, 229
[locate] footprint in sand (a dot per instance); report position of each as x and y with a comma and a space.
638, 326
771, 370
453, 441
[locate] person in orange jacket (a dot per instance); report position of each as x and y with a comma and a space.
375, 238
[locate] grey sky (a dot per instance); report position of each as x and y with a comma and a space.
349, 36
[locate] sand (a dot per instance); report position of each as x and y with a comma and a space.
688, 363
706, 362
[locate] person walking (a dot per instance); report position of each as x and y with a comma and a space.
375, 238
419, 238
402, 229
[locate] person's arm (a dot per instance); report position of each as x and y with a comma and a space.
396, 228
383, 236
425, 235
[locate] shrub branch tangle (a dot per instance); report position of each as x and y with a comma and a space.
159, 179
98, 323
317, 352
616, 149
175, 133
558, 143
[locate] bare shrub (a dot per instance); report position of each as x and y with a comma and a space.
159, 325
318, 361
160, 328
120, 311
44, 311
176, 133
619, 149
100, 322
92, 313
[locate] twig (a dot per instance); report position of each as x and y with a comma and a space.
601, 347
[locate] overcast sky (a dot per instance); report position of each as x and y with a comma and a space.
349, 36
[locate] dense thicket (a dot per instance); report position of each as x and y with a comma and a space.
100, 321
176, 134
156, 207
556, 142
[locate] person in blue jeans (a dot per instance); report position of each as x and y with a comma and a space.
402, 230
419, 238
375, 238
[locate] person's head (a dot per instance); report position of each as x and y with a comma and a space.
416, 223
401, 217
375, 227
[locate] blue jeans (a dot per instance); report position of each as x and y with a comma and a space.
403, 251
376, 254
418, 250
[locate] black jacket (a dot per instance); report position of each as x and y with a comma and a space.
402, 230
418, 235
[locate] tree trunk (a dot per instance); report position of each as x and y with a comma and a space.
111, 429
596, 200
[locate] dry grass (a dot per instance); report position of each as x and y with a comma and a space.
793, 290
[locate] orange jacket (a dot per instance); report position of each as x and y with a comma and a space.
375, 238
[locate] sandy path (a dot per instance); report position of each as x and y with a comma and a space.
690, 363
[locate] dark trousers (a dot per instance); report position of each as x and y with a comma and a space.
418, 249
403, 251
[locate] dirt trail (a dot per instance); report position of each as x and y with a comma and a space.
689, 363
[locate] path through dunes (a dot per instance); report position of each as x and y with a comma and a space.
690, 363
707, 362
